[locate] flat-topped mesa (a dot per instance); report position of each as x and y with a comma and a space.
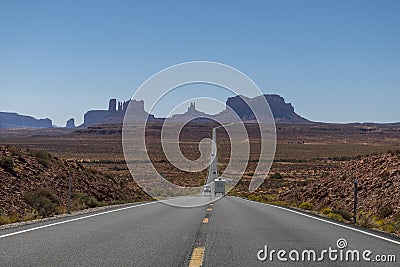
116, 112
282, 112
136, 108
15, 120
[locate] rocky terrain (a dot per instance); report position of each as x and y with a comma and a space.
378, 179
33, 178
313, 163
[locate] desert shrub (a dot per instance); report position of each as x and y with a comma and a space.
336, 217
28, 217
43, 200
345, 214
83, 201
261, 197
16, 152
275, 175
385, 210
125, 198
42, 157
7, 164
379, 222
366, 219
14, 217
39, 154
61, 209
4, 220
396, 221
93, 202
44, 162
389, 228
78, 202
253, 197
326, 211
306, 206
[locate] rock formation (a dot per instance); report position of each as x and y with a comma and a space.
14, 120
70, 123
115, 114
283, 112
94, 117
191, 112
112, 105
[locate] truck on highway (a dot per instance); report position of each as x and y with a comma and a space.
219, 186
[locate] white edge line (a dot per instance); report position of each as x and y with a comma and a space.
75, 219
327, 221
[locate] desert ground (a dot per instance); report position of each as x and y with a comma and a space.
307, 156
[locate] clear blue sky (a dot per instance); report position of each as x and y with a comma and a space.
335, 61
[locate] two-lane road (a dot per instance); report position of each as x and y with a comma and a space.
229, 233
239, 229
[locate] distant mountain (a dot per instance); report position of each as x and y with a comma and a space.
15, 120
282, 112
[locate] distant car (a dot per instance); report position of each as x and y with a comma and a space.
207, 189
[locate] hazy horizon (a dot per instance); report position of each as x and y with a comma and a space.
335, 62
202, 106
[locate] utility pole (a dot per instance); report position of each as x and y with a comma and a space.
355, 202
69, 192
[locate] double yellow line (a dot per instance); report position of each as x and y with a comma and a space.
197, 257
198, 252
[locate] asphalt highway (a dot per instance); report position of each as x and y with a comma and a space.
230, 232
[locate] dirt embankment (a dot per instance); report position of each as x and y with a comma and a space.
30, 179
378, 179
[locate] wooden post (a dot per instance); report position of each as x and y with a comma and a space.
69, 192
355, 202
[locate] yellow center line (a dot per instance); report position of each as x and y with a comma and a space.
197, 257
205, 220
